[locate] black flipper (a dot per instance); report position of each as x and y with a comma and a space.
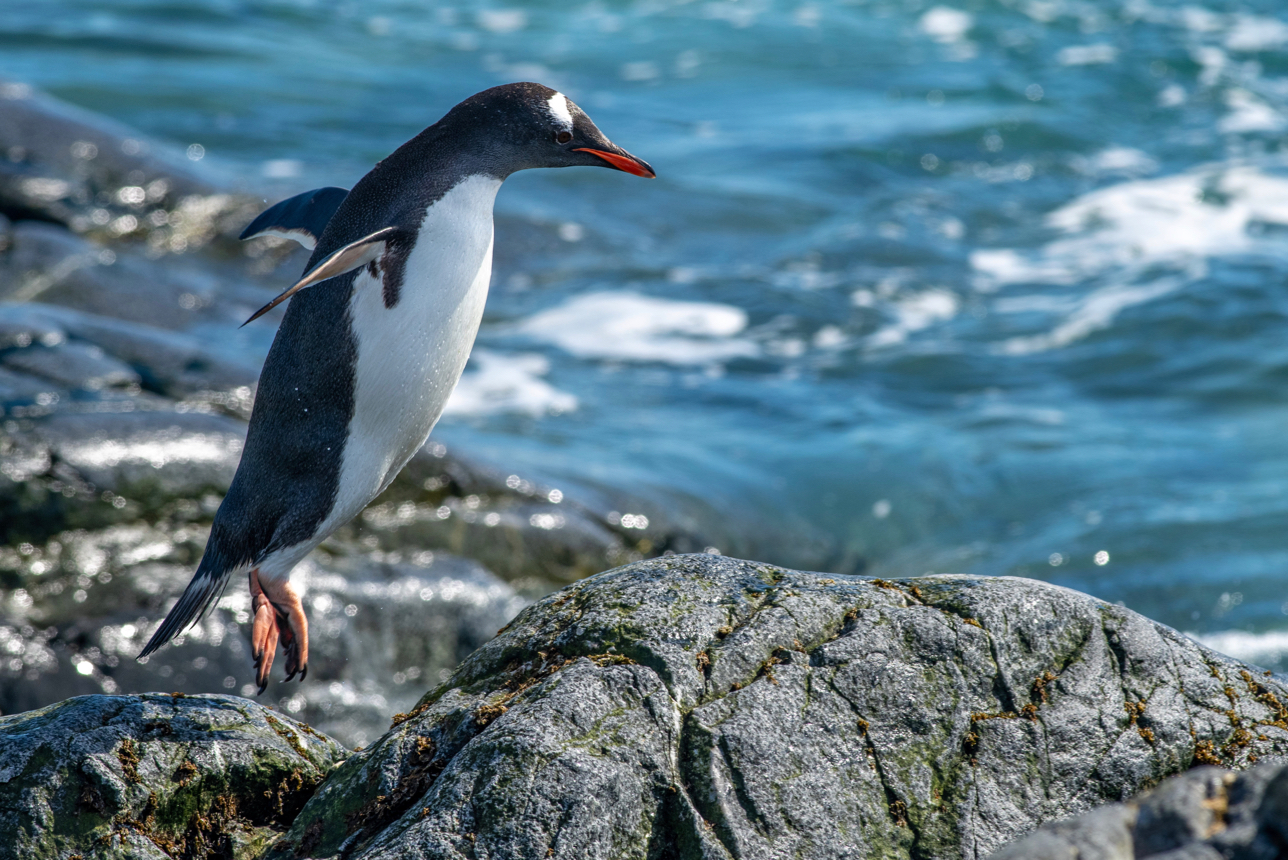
301, 218
350, 257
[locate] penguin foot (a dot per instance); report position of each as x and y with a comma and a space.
278, 617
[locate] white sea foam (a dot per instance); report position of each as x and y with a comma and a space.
1174, 222
507, 383
1146, 222
1117, 159
630, 327
1096, 311
1260, 648
913, 312
1248, 113
1087, 55
946, 25
502, 20
1254, 33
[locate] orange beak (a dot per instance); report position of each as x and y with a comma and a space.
622, 162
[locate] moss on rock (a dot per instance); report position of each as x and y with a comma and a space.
154, 776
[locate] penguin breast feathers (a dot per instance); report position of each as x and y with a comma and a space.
411, 352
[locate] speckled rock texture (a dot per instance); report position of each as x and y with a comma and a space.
1206, 814
154, 776
703, 707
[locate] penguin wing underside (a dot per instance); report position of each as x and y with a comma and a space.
301, 218
348, 258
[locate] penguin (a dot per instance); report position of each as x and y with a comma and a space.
374, 339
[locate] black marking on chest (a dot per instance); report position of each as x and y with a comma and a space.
393, 264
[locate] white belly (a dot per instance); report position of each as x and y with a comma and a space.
410, 356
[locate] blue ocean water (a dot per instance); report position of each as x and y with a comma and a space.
990, 287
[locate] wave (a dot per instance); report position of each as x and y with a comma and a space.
1264, 649
627, 326
495, 383
1147, 237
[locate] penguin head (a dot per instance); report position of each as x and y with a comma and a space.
525, 125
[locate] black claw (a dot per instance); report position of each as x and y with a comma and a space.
303, 672
261, 689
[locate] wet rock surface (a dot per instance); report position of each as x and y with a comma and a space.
68, 166
1206, 814
699, 706
154, 776
381, 631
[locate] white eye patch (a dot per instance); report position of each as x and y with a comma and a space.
558, 105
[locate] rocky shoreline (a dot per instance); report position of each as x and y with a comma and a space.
700, 706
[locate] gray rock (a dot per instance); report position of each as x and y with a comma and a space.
378, 632
40, 130
21, 388
166, 363
22, 325
154, 455
526, 529
49, 264
154, 776
527, 542
112, 462
1205, 814
73, 365
63, 164
703, 706
171, 363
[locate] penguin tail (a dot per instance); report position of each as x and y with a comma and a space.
205, 589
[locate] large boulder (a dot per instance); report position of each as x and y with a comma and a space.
699, 706
154, 776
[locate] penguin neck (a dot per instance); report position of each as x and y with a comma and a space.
405, 186
438, 161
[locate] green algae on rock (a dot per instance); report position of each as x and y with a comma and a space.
154, 776
699, 706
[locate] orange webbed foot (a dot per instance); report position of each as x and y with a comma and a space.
278, 617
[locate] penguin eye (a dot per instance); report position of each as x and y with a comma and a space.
563, 136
